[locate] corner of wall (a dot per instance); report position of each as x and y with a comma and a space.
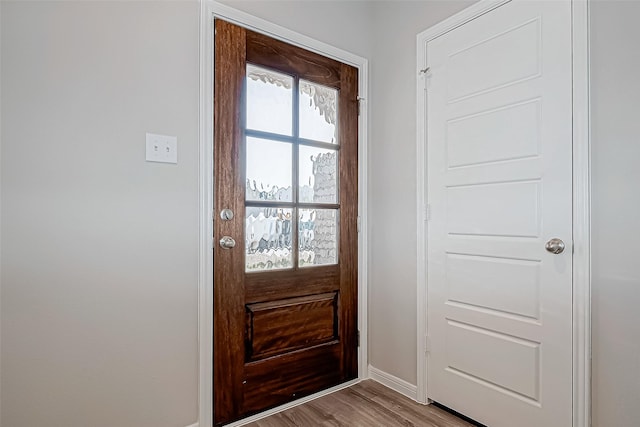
394, 383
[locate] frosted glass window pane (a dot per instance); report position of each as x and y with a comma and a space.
318, 175
269, 101
318, 108
317, 237
268, 170
268, 239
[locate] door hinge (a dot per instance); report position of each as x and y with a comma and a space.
425, 73
427, 212
427, 344
359, 99
359, 224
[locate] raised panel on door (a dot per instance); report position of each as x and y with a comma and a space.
499, 187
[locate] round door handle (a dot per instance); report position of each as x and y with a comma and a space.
555, 246
226, 214
227, 242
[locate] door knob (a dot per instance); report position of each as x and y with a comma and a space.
226, 214
227, 242
555, 246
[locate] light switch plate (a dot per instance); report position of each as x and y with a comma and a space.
162, 148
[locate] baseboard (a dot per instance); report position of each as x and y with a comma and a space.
394, 383
194, 425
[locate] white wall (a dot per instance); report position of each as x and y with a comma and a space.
615, 95
392, 279
342, 24
99, 248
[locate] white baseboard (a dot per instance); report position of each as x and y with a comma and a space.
394, 383
194, 425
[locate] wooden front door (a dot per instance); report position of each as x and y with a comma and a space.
285, 295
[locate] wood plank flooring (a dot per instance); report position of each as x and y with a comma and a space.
366, 404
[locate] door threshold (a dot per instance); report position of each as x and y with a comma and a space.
292, 404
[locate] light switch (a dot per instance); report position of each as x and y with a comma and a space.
162, 148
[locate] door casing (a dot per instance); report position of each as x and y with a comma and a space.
581, 200
208, 11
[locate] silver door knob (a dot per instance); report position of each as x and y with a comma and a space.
227, 242
555, 246
226, 214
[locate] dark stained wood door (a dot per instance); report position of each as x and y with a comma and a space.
285, 296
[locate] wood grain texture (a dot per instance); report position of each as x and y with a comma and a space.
281, 56
285, 284
276, 327
228, 295
366, 404
278, 380
348, 249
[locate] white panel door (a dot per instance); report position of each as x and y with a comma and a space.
499, 187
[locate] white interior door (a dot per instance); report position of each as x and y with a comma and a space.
499, 188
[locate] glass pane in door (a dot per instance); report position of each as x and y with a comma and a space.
318, 108
317, 237
268, 239
318, 172
269, 170
269, 101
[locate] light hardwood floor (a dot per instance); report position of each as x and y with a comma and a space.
366, 404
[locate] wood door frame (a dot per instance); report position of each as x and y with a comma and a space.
581, 199
209, 10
